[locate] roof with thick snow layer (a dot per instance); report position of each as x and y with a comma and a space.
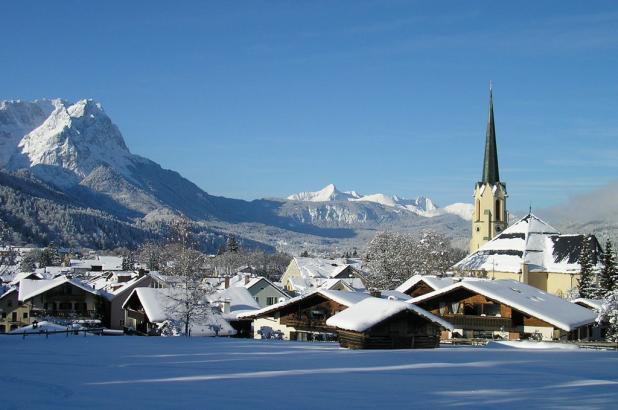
319, 268
524, 298
339, 296
159, 306
372, 311
534, 242
29, 288
239, 297
432, 281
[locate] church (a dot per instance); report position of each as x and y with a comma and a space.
529, 251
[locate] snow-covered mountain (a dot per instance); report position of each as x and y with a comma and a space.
60, 161
328, 193
422, 206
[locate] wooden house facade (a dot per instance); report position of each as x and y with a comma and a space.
506, 309
304, 317
376, 323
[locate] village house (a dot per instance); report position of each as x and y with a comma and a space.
508, 309
533, 252
150, 311
376, 323
261, 289
116, 287
232, 302
13, 314
59, 298
304, 317
305, 274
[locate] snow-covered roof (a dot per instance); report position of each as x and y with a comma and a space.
432, 281
106, 263
4, 292
341, 297
532, 241
394, 295
240, 280
333, 283
595, 304
239, 297
372, 311
320, 268
156, 302
524, 298
24, 275
29, 288
159, 306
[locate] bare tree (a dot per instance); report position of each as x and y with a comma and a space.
391, 258
184, 265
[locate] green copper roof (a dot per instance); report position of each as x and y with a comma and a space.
490, 164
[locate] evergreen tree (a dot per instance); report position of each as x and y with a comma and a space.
304, 254
232, 244
609, 278
128, 260
587, 287
28, 262
608, 316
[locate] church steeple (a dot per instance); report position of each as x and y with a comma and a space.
491, 173
490, 216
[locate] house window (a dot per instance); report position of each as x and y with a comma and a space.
271, 301
25, 315
14, 317
257, 300
3, 315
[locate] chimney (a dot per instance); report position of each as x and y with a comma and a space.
227, 282
247, 279
226, 305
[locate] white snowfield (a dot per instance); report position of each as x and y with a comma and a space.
95, 372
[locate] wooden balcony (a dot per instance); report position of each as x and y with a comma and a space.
469, 322
306, 324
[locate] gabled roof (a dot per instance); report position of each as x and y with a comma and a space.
342, 297
29, 288
372, 311
159, 306
24, 275
238, 280
319, 268
432, 281
532, 241
523, 298
239, 297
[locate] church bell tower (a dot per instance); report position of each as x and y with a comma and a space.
490, 215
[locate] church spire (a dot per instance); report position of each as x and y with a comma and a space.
490, 164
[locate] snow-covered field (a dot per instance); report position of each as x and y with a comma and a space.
208, 373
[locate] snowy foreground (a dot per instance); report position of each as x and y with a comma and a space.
141, 372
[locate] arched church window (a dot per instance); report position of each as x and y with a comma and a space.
477, 210
498, 210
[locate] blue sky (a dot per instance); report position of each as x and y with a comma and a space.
257, 99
